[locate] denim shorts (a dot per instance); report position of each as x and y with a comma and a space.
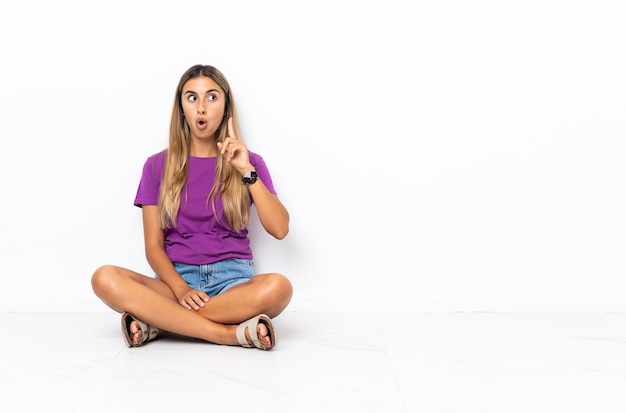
217, 277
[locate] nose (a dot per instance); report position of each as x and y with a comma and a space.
201, 108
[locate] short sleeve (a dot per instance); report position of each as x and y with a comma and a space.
148, 190
262, 171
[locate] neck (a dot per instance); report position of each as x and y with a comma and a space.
202, 149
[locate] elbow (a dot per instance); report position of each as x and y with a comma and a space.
277, 227
280, 233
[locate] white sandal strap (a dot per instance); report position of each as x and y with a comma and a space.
147, 332
251, 325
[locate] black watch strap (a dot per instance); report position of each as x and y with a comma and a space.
249, 177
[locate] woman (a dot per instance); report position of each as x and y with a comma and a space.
196, 201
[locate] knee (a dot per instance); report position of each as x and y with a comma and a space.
103, 280
278, 289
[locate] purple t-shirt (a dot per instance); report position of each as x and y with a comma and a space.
198, 238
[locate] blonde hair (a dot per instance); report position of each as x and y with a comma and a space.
235, 196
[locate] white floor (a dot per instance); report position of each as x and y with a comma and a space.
324, 362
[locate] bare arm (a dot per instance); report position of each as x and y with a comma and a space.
162, 265
272, 213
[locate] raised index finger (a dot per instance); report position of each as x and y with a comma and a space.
231, 129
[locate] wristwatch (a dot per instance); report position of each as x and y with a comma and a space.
249, 177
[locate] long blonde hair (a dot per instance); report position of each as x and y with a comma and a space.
235, 196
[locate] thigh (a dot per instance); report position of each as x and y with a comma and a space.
124, 275
264, 293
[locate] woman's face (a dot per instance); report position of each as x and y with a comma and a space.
203, 103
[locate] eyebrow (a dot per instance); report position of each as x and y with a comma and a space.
208, 91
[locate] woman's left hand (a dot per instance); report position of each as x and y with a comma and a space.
234, 150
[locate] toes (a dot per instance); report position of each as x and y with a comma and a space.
134, 327
263, 334
135, 332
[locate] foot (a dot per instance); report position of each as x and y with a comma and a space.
261, 331
135, 333
263, 334
262, 337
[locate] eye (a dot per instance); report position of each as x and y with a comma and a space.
192, 98
212, 97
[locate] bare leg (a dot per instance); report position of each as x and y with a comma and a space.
152, 301
263, 294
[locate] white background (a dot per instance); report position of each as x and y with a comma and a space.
434, 155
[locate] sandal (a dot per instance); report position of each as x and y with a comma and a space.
147, 333
251, 325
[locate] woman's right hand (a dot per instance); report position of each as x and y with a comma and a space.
193, 299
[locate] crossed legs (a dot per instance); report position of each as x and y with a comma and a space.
152, 301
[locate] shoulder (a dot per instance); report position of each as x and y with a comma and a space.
262, 170
155, 164
255, 158
157, 160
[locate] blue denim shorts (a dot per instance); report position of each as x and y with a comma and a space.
217, 277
